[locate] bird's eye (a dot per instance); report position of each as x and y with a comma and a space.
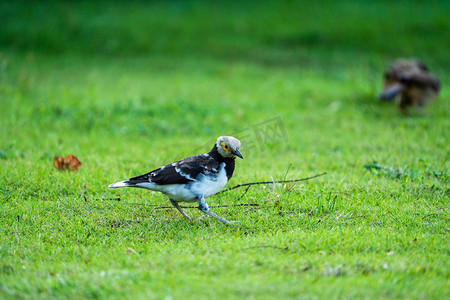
226, 147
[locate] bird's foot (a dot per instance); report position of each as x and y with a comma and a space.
231, 223
209, 213
204, 208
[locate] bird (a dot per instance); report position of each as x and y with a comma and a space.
192, 179
410, 82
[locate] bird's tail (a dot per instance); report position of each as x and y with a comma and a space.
121, 184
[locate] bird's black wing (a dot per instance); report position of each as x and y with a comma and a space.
422, 79
180, 172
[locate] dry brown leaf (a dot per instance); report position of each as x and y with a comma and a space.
58, 162
70, 162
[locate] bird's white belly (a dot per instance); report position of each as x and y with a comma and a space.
179, 193
208, 186
203, 186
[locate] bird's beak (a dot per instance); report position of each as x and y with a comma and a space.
391, 92
237, 153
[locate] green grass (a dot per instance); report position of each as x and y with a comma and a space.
130, 86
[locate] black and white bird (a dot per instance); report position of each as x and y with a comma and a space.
410, 83
193, 178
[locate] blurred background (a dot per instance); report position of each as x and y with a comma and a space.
129, 73
290, 33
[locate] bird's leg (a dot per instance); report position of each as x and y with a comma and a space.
175, 204
203, 206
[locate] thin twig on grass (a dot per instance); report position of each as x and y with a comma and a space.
268, 182
267, 246
115, 199
212, 206
245, 192
437, 212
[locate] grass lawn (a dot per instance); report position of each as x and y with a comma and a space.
130, 86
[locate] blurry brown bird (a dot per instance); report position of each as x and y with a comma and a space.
410, 83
